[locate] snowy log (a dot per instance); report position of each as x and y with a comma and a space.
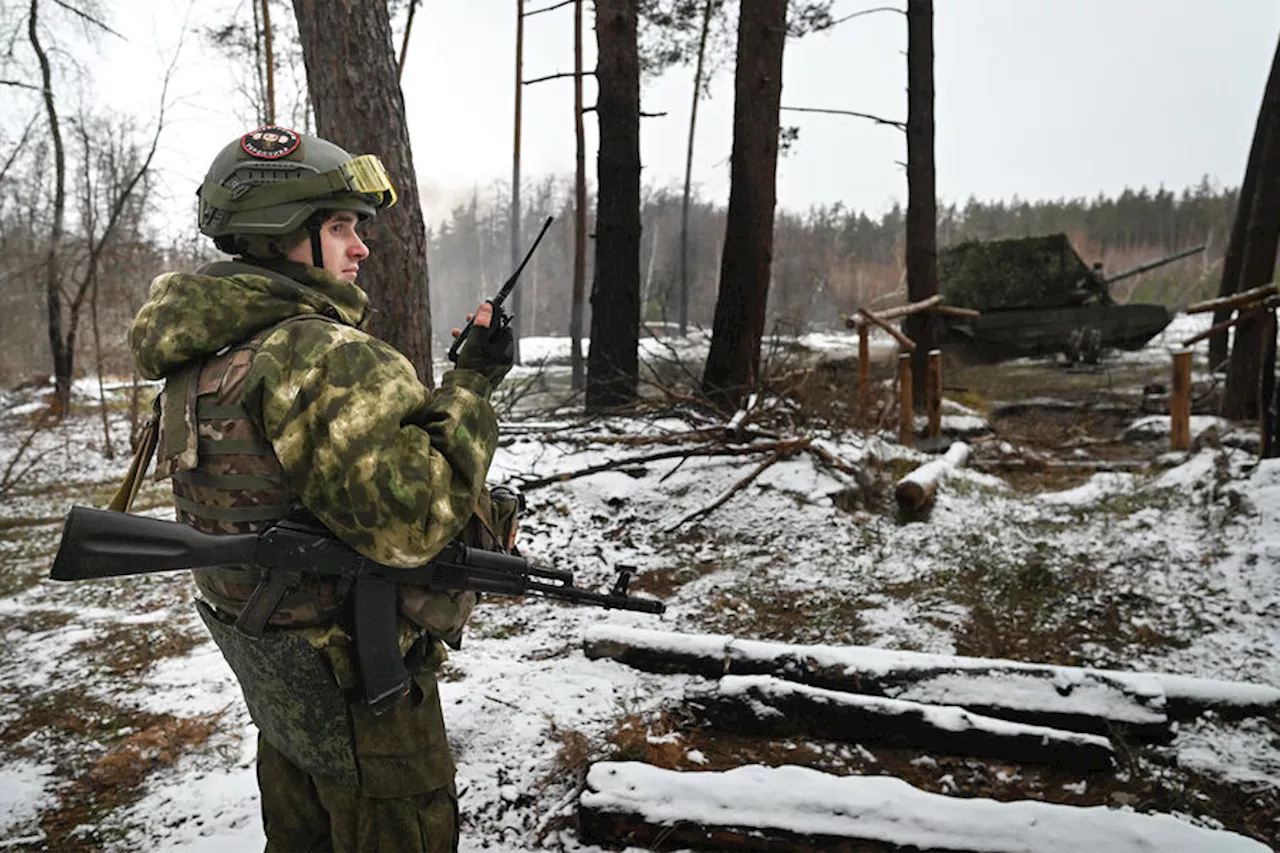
916, 491
792, 808
1058, 697
763, 705
1149, 696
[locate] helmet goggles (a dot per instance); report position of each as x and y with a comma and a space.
366, 175
363, 176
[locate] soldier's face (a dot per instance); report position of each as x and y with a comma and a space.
342, 247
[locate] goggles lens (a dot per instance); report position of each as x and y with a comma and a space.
366, 175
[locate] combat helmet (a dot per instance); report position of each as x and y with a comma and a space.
274, 182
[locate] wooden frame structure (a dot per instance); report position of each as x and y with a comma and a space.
1260, 302
862, 320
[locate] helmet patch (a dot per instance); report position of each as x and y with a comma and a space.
270, 142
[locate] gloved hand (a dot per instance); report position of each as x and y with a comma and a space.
489, 351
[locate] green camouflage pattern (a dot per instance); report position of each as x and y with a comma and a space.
234, 484
291, 695
1025, 272
392, 468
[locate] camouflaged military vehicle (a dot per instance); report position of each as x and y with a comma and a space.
1037, 297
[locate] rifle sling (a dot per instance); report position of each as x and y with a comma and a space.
147, 441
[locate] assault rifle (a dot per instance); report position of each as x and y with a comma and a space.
500, 317
105, 544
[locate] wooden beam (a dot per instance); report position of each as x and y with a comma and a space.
1248, 312
935, 394
1180, 402
903, 341
1230, 302
772, 707
930, 304
795, 809
953, 311
1058, 697
864, 374
906, 405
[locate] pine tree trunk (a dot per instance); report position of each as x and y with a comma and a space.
579, 210
353, 80
733, 363
1234, 257
688, 170
922, 228
612, 367
1258, 264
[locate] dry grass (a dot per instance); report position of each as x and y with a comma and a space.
131, 649
106, 754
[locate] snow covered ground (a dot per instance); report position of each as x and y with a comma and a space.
1173, 571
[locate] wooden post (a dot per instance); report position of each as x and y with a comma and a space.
906, 405
1180, 402
1267, 386
864, 372
935, 393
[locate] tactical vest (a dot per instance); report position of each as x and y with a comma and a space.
226, 479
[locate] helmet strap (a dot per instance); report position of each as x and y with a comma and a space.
317, 251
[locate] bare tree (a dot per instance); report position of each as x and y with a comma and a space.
922, 211
1233, 260
516, 253
688, 167
579, 210
355, 90
1257, 265
62, 353
266, 60
612, 361
733, 362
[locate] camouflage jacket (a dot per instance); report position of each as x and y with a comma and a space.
391, 467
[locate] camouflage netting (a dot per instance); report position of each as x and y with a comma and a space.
1027, 272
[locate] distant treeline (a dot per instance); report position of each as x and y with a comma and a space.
828, 261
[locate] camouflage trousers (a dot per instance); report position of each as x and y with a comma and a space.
405, 802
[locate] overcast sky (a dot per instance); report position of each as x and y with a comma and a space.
1035, 98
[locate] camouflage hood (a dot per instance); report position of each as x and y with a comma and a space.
193, 315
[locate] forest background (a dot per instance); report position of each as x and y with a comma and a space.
829, 260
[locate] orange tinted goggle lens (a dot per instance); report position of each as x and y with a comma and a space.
366, 175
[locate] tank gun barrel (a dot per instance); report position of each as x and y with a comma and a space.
1150, 265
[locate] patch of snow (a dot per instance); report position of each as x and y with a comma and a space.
887, 810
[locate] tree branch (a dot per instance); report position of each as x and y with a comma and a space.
864, 12
89, 18
557, 76
17, 149
652, 115
549, 8
900, 125
404, 47
20, 85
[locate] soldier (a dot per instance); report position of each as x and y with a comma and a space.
277, 405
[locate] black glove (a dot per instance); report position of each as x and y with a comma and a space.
489, 352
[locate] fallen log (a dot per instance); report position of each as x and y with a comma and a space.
1075, 699
764, 705
916, 490
801, 810
1063, 464
1088, 699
